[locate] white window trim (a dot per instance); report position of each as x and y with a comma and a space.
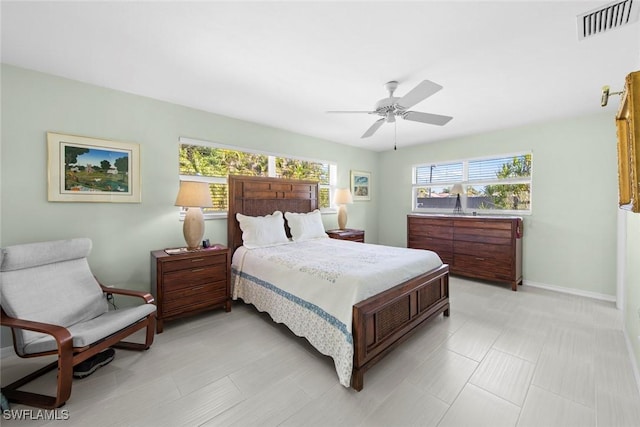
463, 197
333, 173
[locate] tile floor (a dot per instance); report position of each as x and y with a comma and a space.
527, 358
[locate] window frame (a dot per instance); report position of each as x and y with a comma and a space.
333, 172
466, 183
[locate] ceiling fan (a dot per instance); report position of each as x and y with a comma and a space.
393, 106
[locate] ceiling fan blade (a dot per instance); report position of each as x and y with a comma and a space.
425, 89
359, 112
374, 127
432, 119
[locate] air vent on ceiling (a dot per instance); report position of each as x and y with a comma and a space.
607, 17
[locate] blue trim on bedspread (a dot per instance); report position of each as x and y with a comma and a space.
299, 301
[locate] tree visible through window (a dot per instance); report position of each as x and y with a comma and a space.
492, 184
213, 164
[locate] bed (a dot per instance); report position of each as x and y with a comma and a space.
374, 322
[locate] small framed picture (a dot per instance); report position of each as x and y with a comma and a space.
83, 169
361, 185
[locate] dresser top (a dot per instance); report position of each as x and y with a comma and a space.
464, 216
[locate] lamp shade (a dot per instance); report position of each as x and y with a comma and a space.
194, 194
343, 196
457, 189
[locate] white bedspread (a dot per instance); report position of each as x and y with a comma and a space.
311, 286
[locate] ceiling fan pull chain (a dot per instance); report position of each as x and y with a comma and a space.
395, 136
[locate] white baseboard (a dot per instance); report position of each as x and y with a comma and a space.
572, 291
632, 356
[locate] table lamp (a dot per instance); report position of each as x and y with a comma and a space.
342, 198
193, 196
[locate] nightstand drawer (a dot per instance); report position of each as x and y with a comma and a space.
195, 262
354, 238
193, 302
204, 288
198, 275
347, 234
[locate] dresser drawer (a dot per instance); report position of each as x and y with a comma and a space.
493, 236
482, 267
195, 276
483, 250
431, 244
436, 229
194, 262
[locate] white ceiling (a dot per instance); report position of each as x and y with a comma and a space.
284, 64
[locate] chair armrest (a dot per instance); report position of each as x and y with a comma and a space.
146, 296
59, 333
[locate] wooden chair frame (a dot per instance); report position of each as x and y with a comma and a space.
69, 356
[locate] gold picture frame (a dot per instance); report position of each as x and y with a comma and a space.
85, 169
628, 133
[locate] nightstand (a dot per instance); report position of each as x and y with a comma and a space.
347, 234
190, 282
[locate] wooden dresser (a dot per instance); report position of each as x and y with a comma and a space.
482, 247
190, 282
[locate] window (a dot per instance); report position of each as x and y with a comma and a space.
488, 185
212, 163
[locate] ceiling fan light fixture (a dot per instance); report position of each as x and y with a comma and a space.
391, 118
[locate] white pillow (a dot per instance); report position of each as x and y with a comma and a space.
305, 226
262, 231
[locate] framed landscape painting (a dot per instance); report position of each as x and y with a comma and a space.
361, 185
83, 169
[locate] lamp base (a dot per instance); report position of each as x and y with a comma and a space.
193, 228
342, 217
458, 208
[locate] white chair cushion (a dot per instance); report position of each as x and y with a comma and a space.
49, 282
90, 331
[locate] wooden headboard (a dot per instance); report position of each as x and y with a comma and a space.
258, 196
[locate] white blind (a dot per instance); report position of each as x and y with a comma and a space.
499, 168
440, 173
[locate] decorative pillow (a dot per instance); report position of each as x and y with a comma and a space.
262, 231
305, 226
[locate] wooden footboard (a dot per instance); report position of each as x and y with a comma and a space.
383, 321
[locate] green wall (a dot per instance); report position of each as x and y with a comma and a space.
570, 237
632, 286
124, 234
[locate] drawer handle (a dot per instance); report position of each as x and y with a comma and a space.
197, 259
194, 270
480, 259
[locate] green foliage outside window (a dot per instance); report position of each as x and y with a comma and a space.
510, 196
209, 161
206, 161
